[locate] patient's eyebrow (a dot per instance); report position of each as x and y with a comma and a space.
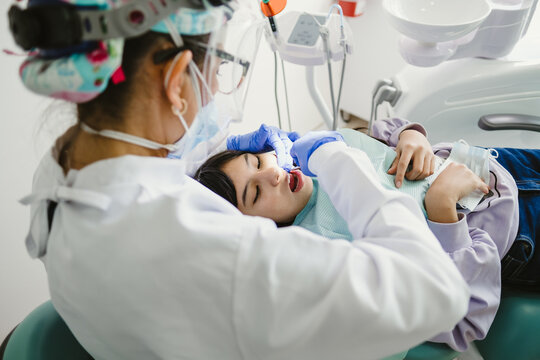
245, 188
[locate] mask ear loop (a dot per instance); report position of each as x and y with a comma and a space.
177, 39
179, 113
180, 116
195, 83
169, 71
195, 69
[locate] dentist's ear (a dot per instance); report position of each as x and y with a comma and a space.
175, 78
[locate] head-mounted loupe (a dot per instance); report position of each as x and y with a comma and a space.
59, 25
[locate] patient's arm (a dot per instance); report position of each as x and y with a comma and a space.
473, 251
476, 256
389, 129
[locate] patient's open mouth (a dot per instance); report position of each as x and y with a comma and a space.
296, 183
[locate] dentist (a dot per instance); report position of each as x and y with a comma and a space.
143, 262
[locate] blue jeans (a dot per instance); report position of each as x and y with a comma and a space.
521, 266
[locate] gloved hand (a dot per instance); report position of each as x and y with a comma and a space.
305, 146
267, 138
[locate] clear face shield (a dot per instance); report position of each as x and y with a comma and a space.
223, 56
228, 64
220, 74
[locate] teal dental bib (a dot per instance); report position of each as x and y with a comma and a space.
381, 157
320, 216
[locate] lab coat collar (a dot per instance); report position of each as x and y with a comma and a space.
128, 169
83, 187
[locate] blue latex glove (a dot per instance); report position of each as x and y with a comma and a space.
267, 138
305, 146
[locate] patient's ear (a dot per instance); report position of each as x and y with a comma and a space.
175, 76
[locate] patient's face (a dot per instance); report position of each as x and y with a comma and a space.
265, 189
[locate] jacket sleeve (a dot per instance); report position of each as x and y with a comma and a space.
300, 296
475, 254
389, 129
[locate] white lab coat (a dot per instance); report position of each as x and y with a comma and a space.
145, 263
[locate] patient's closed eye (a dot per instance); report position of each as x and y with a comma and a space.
257, 193
257, 188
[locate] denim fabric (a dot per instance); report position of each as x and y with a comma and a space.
521, 266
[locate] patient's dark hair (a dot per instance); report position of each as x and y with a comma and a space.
211, 175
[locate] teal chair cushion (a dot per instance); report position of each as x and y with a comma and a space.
43, 335
515, 332
431, 351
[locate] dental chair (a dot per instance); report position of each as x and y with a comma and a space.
515, 334
42, 335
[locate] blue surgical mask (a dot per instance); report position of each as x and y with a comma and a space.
203, 128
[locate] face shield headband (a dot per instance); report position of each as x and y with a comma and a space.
55, 24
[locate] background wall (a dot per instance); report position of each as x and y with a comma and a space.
23, 283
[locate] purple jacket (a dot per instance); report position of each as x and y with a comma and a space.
476, 243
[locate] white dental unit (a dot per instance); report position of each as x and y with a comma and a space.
469, 74
311, 40
466, 79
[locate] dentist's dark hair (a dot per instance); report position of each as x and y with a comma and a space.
211, 175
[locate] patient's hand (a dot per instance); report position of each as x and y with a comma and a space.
455, 182
412, 148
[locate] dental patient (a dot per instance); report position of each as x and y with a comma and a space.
476, 222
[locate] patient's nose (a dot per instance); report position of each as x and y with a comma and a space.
271, 175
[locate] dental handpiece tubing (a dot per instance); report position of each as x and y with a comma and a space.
272, 23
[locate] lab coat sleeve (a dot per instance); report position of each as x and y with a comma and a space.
475, 254
389, 129
300, 296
